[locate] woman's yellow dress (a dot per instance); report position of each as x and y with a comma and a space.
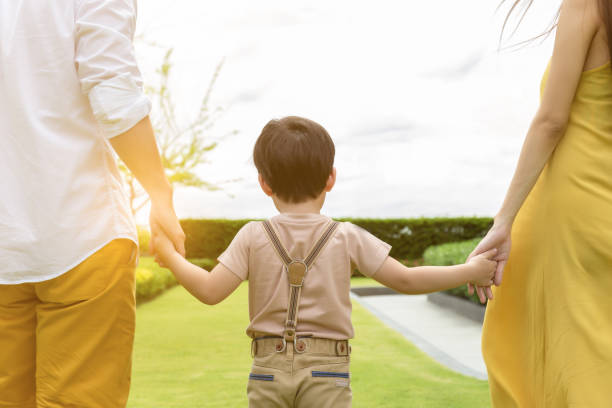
547, 336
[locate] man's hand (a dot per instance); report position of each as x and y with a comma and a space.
163, 221
497, 237
138, 150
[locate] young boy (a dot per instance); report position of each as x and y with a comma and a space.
299, 265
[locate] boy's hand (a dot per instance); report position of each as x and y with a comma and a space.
164, 249
483, 268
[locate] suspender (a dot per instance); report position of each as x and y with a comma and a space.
296, 271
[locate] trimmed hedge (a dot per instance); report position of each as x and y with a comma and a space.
208, 238
452, 254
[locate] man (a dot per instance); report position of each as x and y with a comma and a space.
69, 89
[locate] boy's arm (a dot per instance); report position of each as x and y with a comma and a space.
426, 279
208, 287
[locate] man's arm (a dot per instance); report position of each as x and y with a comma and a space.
109, 76
138, 150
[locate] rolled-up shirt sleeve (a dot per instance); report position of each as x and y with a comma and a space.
106, 64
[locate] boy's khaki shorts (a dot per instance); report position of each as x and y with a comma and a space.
317, 378
67, 342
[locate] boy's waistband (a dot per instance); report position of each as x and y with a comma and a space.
267, 345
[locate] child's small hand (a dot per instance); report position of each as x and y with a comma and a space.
483, 268
164, 250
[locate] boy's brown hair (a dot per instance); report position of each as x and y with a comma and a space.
295, 157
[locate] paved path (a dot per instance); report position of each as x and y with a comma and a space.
449, 338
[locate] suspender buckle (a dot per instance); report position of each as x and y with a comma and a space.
296, 270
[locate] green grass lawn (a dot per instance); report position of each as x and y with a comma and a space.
191, 355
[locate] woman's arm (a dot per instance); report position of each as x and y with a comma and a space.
578, 24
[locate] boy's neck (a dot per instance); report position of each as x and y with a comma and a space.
306, 207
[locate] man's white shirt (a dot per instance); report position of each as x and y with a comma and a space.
68, 82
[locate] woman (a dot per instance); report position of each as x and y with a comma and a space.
547, 336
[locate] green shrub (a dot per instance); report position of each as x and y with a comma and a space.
207, 238
452, 254
449, 254
151, 280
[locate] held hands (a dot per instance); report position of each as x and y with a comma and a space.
497, 237
483, 268
164, 250
167, 236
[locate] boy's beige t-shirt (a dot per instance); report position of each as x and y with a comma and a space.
325, 305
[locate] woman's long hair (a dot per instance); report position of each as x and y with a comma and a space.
605, 11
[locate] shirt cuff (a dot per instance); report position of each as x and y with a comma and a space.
118, 104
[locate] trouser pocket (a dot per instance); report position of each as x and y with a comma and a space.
261, 377
269, 388
325, 386
330, 374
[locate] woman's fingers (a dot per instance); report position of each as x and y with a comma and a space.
481, 294
477, 251
499, 272
490, 254
489, 292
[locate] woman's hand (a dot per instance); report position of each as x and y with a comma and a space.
497, 237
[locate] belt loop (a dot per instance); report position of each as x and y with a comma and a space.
253, 348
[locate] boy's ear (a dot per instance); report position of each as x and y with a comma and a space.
264, 186
331, 180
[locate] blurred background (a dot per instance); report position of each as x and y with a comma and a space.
427, 114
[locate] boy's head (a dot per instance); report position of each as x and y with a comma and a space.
295, 158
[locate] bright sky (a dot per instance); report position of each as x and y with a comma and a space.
428, 118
